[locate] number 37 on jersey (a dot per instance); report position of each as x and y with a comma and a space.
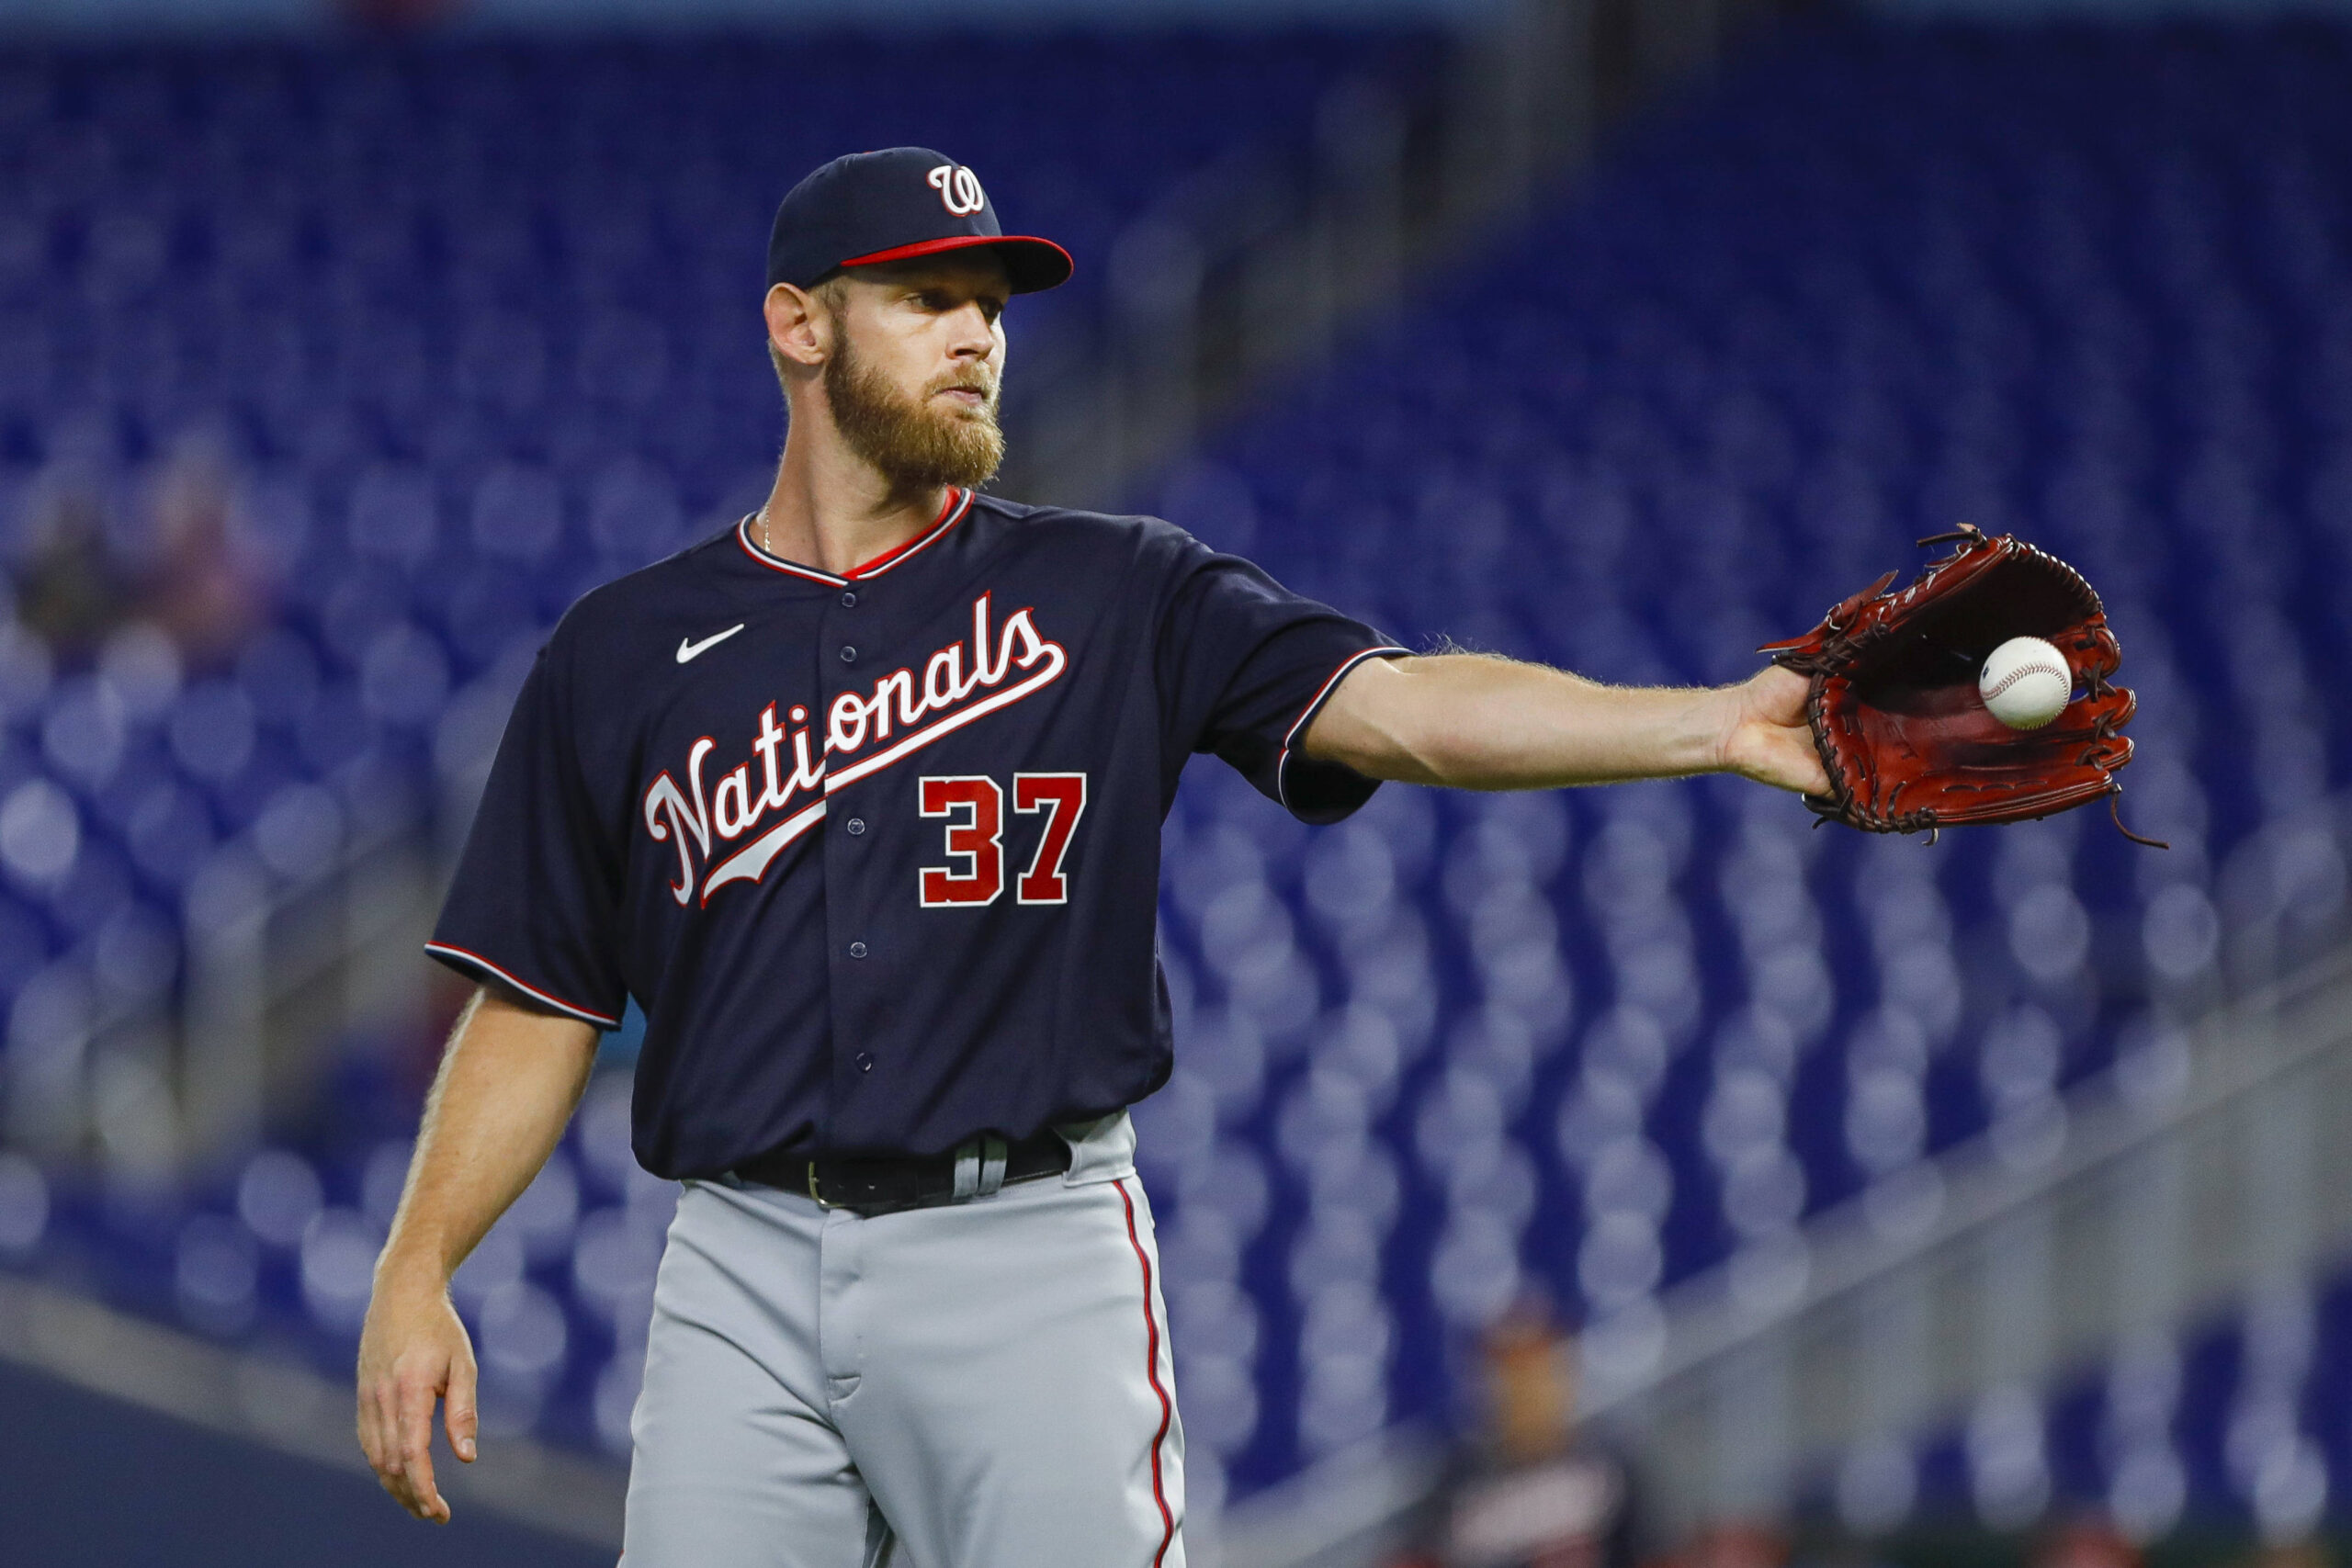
972, 807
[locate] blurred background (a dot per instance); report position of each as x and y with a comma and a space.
1634, 1176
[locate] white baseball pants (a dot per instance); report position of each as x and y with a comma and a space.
985, 1384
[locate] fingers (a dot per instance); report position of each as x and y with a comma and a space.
417, 1492
369, 1429
458, 1410
379, 1439
382, 1437
378, 1431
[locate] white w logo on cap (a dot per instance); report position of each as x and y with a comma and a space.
958, 187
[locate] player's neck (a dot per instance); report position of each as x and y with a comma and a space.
832, 510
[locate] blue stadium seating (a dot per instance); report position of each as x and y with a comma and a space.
2232, 1426
2087, 285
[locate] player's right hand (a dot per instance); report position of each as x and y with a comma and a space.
412, 1352
1767, 736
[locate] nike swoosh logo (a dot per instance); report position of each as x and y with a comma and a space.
689, 648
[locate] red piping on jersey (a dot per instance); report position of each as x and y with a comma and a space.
532, 991
950, 513
957, 242
1282, 763
1151, 1371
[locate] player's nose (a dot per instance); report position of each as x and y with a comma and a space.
973, 338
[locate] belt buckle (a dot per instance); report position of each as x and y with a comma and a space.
816, 1197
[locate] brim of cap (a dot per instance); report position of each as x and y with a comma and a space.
1031, 263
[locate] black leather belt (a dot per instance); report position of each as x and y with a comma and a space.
885, 1186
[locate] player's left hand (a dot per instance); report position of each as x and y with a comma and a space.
1766, 735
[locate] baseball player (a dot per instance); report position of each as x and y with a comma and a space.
861, 800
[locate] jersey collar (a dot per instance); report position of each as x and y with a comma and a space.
959, 502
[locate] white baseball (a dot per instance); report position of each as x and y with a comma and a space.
2025, 683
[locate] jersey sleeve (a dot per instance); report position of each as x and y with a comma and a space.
1245, 665
535, 903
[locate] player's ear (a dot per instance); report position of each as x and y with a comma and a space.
800, 329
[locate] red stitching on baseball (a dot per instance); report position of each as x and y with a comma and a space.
2022, 671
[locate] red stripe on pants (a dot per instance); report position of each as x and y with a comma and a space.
1151, 1371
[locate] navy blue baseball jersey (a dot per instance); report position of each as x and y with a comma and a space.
878, 854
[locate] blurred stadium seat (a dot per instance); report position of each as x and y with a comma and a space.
1873, 282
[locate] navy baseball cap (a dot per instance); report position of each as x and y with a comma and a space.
905, 201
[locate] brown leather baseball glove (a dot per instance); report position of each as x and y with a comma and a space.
1906, 740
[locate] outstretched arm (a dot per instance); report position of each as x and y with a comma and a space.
507, 1086
1473, 721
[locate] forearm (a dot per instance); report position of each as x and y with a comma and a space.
1476, 722
507, 1086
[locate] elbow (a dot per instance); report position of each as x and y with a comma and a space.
1454, 767
1403, 753
1430, 760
